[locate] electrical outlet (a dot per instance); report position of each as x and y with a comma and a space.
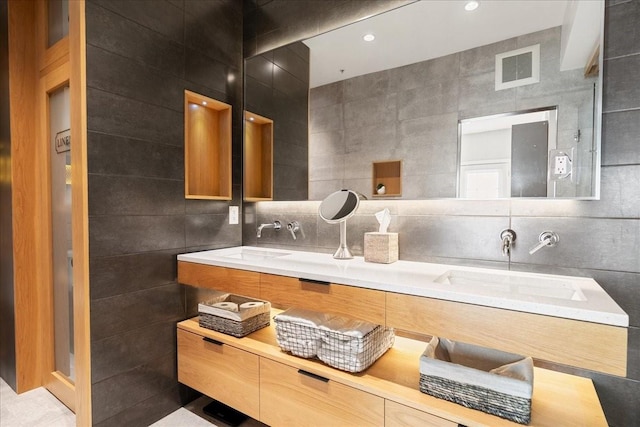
560, 167
233, 215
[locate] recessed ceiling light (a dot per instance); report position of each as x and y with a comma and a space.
368, 37
471, 5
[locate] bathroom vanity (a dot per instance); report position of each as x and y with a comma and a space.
556, 318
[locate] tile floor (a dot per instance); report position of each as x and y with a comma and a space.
39, 408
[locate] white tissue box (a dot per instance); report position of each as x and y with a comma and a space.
381, 247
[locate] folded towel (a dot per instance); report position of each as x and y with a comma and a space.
341, 343
356, 362
347, 326
302, 317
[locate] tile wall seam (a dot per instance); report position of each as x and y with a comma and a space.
119, 175
622, 110
134, 138
161, 285
158, 71
173, 319
116, 215
138, 23
626, 55
126, 97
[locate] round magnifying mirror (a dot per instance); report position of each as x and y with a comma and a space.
336, 208
339, 206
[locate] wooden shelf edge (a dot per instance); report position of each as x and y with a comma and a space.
193, 196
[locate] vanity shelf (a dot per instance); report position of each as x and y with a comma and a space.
388, 173
258, 157
207, 148
280, 392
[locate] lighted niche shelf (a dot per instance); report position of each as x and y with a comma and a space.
207, 148
388, 173
258, 157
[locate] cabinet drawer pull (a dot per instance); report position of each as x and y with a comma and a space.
212, 341
317, 282
312, 375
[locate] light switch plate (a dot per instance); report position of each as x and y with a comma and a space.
233, 215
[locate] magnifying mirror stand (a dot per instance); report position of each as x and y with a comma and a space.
343, 251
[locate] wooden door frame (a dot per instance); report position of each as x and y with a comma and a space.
35, 70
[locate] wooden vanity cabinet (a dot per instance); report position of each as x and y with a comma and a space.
544, 337
240, 282
252, 374
284, 292
397, 415
220, 371
293, 397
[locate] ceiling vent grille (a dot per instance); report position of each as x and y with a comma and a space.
518, 67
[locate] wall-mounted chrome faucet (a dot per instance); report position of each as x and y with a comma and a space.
275, 225
546, 238
293, 227
507, 236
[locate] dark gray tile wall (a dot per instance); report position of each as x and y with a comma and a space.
141, 56
400, 114
277, 88
7, 322
600, 239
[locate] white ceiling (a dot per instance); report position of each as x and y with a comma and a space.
424, 30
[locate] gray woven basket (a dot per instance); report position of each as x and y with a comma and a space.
512, 408
485, 379
238, 322
233, 327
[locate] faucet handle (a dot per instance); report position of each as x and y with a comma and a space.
293, 226
546, 238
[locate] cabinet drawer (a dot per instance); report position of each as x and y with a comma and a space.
239, 282
397, 415
284, 292
289, 397
220, 371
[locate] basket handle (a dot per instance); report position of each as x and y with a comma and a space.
212, 341
312, 375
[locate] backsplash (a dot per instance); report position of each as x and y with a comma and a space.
599, 239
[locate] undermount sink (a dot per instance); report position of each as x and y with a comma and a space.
251, 254
512, 284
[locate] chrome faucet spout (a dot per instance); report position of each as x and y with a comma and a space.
508, 236
276, 225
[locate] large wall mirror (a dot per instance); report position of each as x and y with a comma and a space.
426, 92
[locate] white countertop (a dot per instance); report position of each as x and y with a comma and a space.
527, 292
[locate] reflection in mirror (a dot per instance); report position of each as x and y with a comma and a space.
506, 155
258, 158
409, 111
336, 208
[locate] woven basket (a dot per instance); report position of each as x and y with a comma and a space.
238, 324
337, 349
474, 382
